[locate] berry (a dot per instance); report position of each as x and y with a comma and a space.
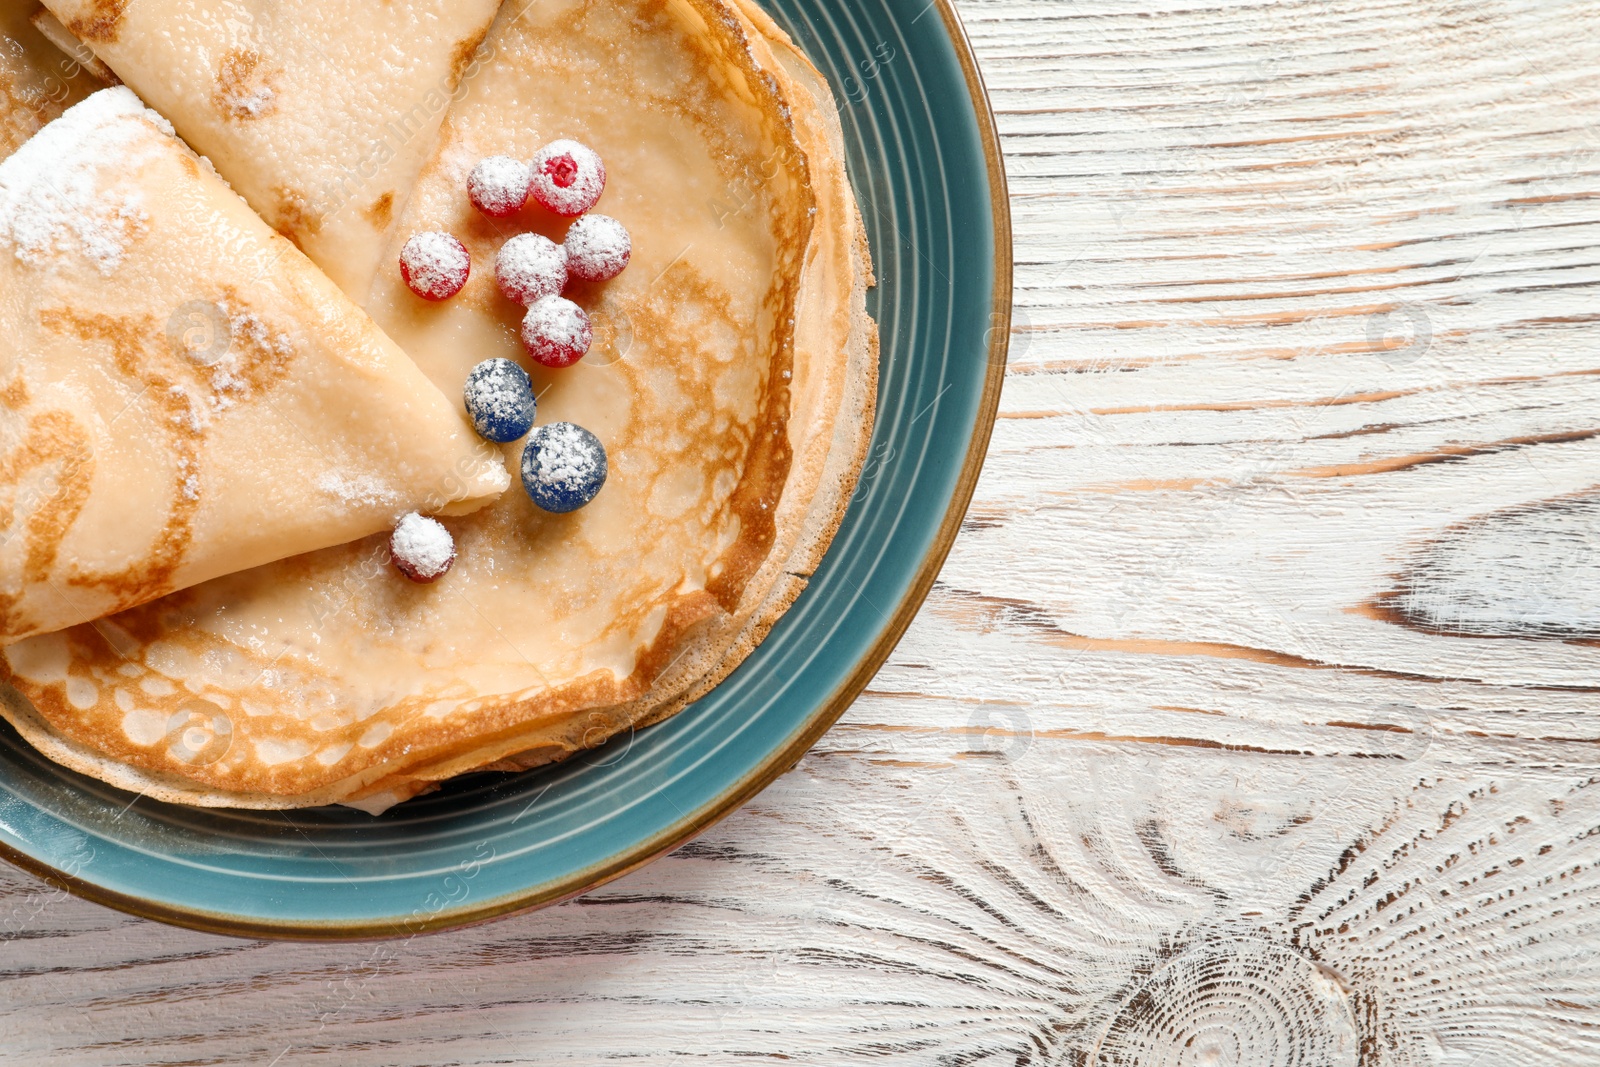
421, 547
556, 332
498, 186
529, 266
597, 247
568, 177
434, 265
500, 399
563, 467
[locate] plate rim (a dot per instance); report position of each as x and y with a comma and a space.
740, 792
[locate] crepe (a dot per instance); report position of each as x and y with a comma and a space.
319, 114
732, 381
37, 81
181, 393
76, 52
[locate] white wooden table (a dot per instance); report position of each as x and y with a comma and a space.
1253, 720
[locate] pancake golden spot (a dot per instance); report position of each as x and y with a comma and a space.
258, 355
462, 55
294, 215
53, 436
14, 394
152, 575
243, 86
97, 21
9, 618
381, 211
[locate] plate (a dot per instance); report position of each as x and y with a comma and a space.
925, 162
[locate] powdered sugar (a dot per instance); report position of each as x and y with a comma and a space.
253, 104
568, 177
246, 331
530, 266
556, 332
434, 265
65, 190
498, 185
563, 467
357, 491
193, 415
499, 398
191, 480
247, 326
566, 455
422, 548
234, 342
598, 248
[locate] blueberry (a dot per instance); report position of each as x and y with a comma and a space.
563, 467
499, 397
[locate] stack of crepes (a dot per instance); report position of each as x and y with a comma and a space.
217, 396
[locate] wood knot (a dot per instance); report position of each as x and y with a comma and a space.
1233, 1001
1528, 572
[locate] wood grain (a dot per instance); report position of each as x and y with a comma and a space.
1252, 719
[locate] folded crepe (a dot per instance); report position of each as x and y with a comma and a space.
182, 394
732, 381
37, 80
319, 114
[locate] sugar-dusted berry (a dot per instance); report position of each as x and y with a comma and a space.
530, 266
563, 467
421, 547
434, 265
499, 398
498, 186
568, 177
597, 247
556, 332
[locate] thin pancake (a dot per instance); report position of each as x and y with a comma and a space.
319, 114
37, 81
732, 381
182, 394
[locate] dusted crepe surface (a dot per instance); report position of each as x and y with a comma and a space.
318, 114
182, 394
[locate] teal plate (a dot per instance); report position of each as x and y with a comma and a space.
925, 162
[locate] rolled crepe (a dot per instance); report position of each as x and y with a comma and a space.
37, 80
320, 115
182, 393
